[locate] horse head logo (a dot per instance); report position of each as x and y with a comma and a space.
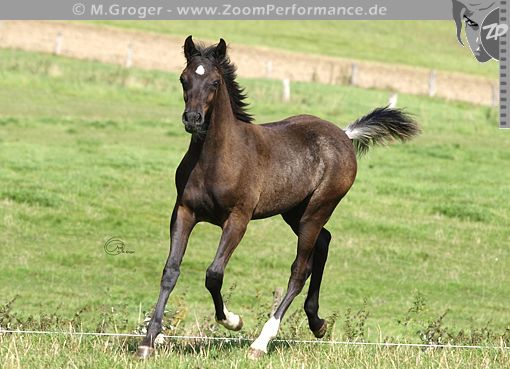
482, 27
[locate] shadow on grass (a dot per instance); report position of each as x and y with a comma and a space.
191, 347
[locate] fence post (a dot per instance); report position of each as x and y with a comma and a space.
2, 24
269, 68
432, 83
392, 101
495, 100
354, 74
286, 89
58, 44
129, 56
277, 298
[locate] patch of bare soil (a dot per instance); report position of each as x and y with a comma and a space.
153, 51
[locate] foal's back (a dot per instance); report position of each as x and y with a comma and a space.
306, 154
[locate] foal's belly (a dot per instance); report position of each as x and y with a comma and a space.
266, 209
286, 188
280, 192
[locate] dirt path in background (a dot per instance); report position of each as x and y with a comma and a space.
163, 52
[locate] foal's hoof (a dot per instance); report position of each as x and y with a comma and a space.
236, 325
254, 354
319, 333
144, 352
239, 325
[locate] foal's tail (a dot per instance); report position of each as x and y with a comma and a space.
381, 126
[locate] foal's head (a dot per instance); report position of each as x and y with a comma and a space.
200, 81
207, 70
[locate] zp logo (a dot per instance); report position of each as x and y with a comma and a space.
482, 27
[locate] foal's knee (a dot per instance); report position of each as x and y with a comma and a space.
170, 275
213, 280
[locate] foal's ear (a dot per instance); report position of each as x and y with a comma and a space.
189, 48
221, 49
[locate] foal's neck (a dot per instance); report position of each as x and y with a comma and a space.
222, 116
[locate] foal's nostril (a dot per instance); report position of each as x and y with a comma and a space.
192, 117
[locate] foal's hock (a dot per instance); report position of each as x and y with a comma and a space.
235, 171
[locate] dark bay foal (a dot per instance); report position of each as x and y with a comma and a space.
235, 171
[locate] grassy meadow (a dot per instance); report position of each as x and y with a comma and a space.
62, 352
426, 44
420, 250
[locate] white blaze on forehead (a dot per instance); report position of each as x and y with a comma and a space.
200, 70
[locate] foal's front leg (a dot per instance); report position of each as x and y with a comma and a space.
182, 223
233, 231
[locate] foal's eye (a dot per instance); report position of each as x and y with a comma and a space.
215, 84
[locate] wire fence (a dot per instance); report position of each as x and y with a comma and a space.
246, 339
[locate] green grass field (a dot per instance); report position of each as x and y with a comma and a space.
428, 44
88, 152
59, 352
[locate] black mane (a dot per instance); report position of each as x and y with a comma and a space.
228, 70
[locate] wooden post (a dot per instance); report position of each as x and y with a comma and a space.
269, 68
277, 298
129, 56
2, 23
495, 100
332, 74
58, 44
392, 101
432, 83
286, 90
315, 76
354, 74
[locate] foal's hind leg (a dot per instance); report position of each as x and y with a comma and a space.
310, 225
320, 254
316, 265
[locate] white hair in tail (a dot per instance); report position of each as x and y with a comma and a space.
381, 126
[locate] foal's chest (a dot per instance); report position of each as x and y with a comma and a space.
210, 197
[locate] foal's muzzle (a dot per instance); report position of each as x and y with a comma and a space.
193, 121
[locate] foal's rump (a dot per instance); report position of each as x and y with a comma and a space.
307, 152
